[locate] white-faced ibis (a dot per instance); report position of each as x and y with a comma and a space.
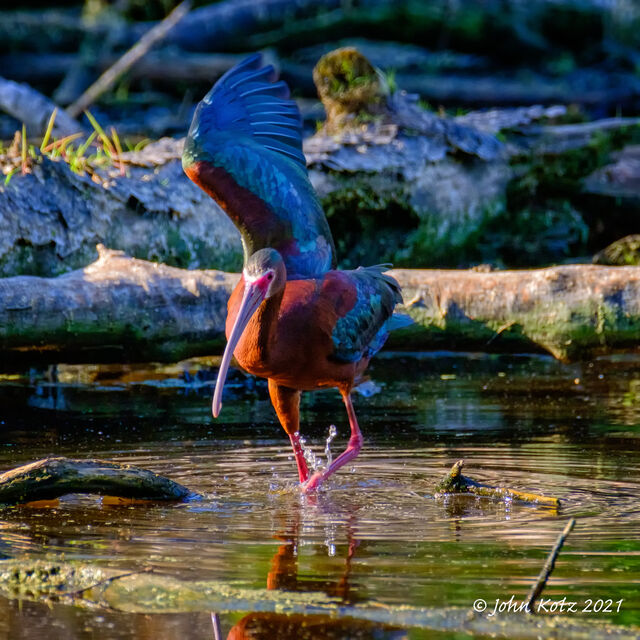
293, 318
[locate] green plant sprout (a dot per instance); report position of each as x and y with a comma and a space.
98, 150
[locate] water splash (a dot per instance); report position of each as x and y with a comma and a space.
327, 447
315, 462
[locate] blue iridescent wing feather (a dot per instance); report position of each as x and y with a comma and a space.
246, 141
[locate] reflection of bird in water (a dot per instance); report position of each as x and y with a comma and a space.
292, 319
273, 626
283, 575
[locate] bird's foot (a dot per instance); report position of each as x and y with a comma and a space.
313, 483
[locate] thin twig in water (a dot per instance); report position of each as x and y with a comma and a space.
548, 566
109, 77
107, 581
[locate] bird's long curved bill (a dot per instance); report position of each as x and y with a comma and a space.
253, 296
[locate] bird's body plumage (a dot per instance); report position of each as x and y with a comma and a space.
293, 318
321, 332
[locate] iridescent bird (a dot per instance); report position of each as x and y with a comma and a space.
292, 318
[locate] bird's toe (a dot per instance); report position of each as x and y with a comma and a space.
313, 483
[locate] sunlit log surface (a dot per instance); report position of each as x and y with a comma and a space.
126, 310
51, 478
116, 309
571, 311
144, 592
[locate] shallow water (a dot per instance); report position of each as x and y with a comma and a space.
376, 533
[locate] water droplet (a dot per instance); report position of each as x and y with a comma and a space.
327, 447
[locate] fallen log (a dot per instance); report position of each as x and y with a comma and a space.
52, 218
573, 312
51, 478
116, 309
587, 87
34, 109
162, 65
125, 309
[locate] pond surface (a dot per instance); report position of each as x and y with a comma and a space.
376, 533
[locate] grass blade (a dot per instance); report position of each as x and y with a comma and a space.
47, 133
83, 147
103, 136
116, 142
24, 148
63, 142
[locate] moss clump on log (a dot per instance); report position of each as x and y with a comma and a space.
623, 252
352, 90
51, 478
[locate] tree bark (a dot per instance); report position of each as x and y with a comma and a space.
124, 309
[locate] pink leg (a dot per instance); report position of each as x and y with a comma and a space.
352, 450
286, 402
303, 471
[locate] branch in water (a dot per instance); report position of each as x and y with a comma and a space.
455, 482
547, 568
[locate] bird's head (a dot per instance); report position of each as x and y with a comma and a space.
264, 276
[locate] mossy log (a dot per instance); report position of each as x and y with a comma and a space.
454, 483
125, 309
145, 592
116, 309
51, 478
393, 183
573, 312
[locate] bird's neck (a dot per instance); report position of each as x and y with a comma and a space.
264, 324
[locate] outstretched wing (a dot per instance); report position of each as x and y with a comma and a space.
244, 148
362, 331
